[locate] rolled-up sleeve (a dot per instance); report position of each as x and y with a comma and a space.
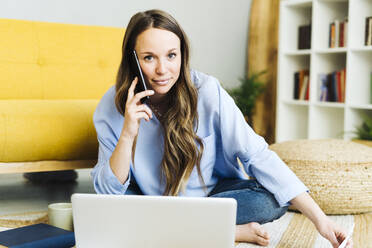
239, 140
104, 180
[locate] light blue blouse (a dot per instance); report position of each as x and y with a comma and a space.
226, 137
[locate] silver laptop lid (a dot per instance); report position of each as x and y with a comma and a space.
153, 221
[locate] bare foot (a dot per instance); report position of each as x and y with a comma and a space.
252, 233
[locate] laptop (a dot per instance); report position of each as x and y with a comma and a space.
134, 221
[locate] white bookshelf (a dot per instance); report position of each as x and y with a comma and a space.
312, 119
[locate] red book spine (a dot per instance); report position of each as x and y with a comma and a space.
339, 94
307, 90
344, 84
341, 35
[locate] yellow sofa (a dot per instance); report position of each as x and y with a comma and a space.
51, 79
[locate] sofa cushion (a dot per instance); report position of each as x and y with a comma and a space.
36, 130
41, 60
337, 172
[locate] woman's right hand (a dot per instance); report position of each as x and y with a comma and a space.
135, 111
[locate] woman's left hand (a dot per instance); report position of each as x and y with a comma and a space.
331, 231
326, 227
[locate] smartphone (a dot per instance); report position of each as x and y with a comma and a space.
350, 234
141, 84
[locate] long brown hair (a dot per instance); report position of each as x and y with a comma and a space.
181, 151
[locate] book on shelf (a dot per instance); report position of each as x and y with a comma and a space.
322, 85
301, 85
346, 27
331, 42
342, 84
368, 31
304, 88
338, 33
331, 86
296, 85
342, 36
38, 236
304, 37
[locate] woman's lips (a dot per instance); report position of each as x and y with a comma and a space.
161, 82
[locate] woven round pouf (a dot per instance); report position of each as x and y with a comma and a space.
337, 172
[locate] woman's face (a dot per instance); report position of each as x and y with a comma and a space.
159, 54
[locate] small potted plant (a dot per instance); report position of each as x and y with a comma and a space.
246, 94
364, 131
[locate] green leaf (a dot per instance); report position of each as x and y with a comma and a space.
364, 131
246, 94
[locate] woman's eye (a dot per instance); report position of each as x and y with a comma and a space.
148, 58
172, 55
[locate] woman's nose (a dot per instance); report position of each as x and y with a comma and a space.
160, 67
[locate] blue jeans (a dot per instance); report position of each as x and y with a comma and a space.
255, 203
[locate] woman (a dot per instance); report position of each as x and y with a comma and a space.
185, 140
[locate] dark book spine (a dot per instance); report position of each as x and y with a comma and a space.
366, 32
304, 37
307, 36
300, 38
329, 88
334, 87
370, 32
296, 85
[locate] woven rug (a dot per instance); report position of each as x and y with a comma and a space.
295, 230
291, 230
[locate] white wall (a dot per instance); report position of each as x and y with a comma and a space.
217, 29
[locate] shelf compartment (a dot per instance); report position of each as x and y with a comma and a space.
326, 13
355, 119
294, 63
325, 63
295, 125
359, 10
327, 122
329, 62
358, 82
293, 15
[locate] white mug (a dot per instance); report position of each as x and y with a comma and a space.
60, 215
